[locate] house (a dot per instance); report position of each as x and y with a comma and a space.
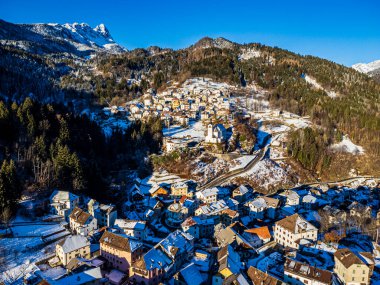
359, 210
262, 232
240, 193
262, 207
164, 259
259, 277
159, 191
119, 250
309, 202
353, 268
136, 229
213, 210
81, 222
63, 202
71, 247
176, 214
292, 229
215, 134
180, 189
199, 227
228, 216
302, 273
292, 198
209, 195
104, 214
229, 264
237, 233
334, 216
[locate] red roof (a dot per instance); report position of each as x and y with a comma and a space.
262, 232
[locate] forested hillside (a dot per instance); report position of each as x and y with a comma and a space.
47, 147
114, 78
354, 111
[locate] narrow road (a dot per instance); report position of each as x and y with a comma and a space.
343, 180
223, 178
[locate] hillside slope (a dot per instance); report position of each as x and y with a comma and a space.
338, 99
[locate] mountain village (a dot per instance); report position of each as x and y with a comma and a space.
171, 230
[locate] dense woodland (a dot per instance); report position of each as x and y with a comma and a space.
45, 147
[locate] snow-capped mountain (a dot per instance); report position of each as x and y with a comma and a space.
367, 67
78, 39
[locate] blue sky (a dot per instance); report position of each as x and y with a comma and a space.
343, 31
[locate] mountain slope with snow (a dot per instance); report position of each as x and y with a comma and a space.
77, 39
367, 67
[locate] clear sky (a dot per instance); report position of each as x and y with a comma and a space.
346, 31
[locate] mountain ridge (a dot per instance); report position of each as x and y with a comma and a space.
78, 39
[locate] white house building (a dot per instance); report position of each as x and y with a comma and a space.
63, 202
291, 230
136, 229
71, 247
81, 222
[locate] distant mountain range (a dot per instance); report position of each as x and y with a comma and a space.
76, 39
372, 69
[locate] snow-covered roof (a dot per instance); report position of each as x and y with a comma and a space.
309, 199
130, 224
192, 275
63, 196
72, 243
84, 277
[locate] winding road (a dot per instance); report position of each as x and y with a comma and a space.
226, 176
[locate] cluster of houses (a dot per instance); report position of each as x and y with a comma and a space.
197, 99
172, 233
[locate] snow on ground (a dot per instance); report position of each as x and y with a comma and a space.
241, 162
207, 171
35, 230
318, 86
275, 128
195, 130
19, 255
346, 145
202, 83
266, 173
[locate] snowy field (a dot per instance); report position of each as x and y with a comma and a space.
195, 130
35, 230
266, 173
19, 253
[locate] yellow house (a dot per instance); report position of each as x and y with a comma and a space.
353, 268
71, 247
180, 189
158, 191
175, 103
